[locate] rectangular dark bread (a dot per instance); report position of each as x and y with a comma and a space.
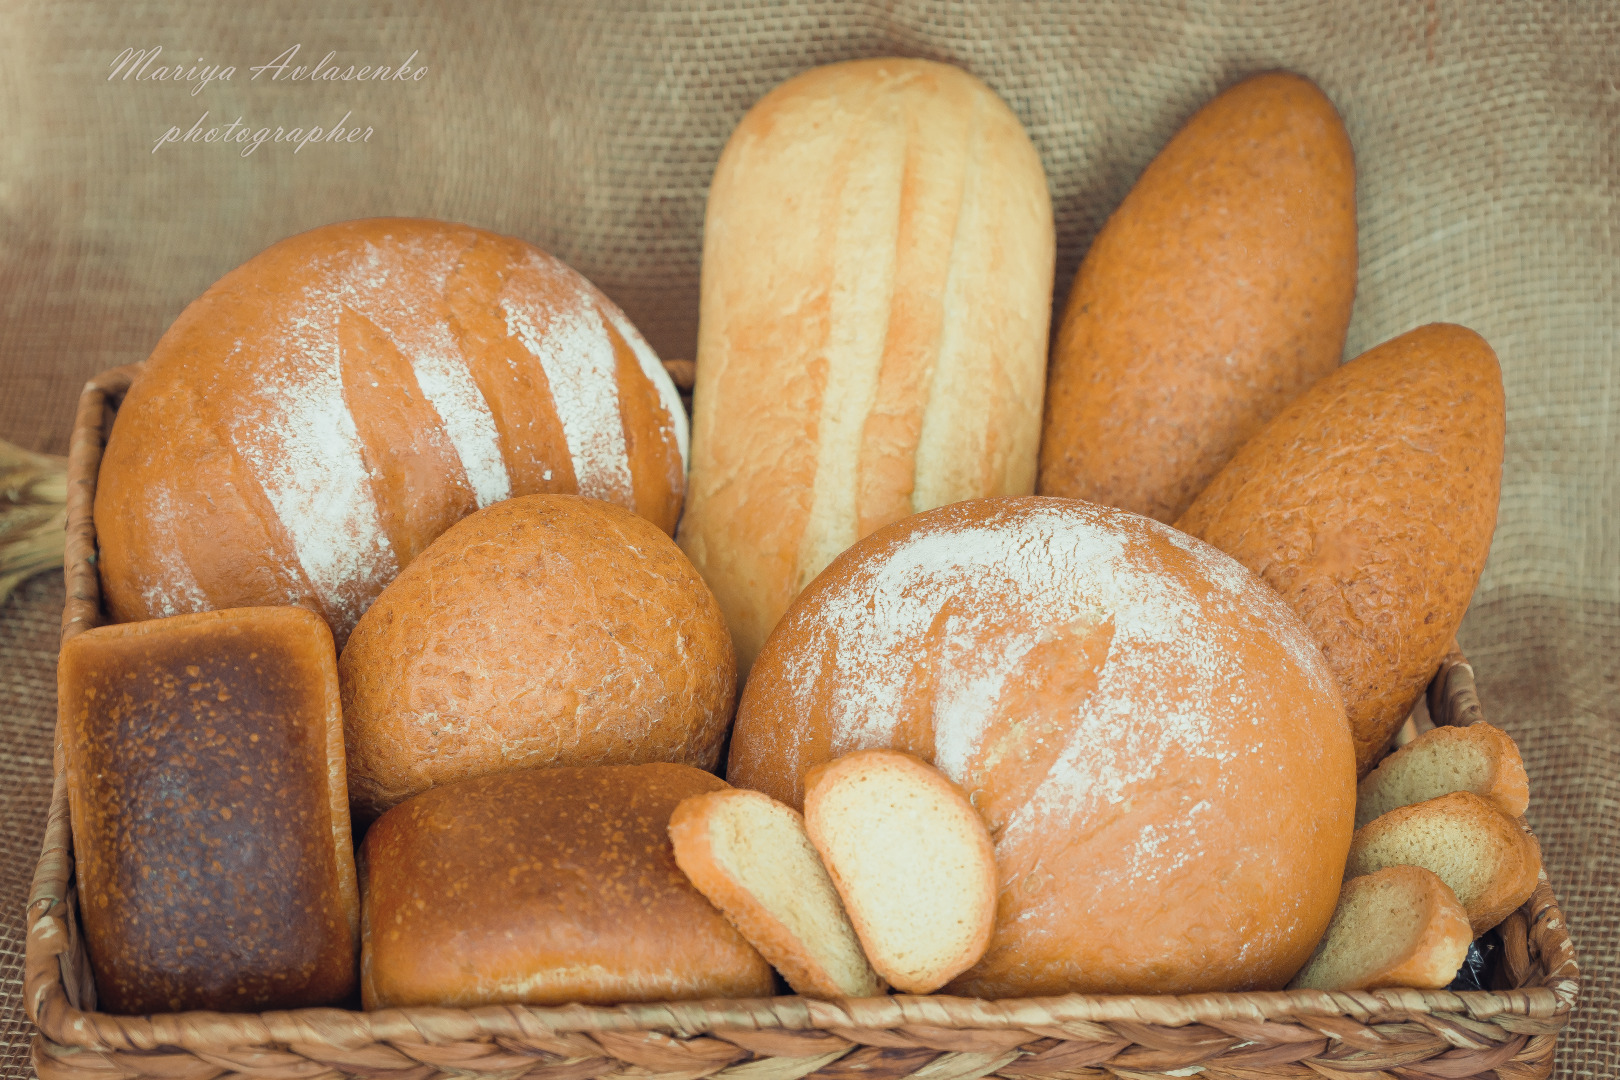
204, 758
542, 887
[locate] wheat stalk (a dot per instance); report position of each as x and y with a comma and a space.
33, 514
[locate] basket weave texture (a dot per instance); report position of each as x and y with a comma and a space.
1509, 1032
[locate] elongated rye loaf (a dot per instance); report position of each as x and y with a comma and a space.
877, 280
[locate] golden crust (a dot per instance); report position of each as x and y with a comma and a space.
542, 631
877, 273
324, 411
1021, 598
1216, 293
542, 888
1369, 504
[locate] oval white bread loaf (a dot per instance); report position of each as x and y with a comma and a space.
877, 285
1477, 758
1400, 926
752, 858
1489, 860
912, 860
311, 422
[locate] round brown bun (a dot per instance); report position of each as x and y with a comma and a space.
311, 422
1152, 736
544, 631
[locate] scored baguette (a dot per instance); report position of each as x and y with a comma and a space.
1477, 758
1489, 860
1400, 926
751, 857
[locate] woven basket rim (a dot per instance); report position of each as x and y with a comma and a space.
58, 977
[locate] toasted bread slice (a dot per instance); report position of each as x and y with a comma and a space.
1486, 858
1477, 758
1400, 926
751, 857
912, 860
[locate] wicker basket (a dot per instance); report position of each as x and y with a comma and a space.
1508, 1032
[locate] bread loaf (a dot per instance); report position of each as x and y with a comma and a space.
1477, 758
1400, 926
542, 888
877, 279
1133, 714
1489, 860
911, 859
545, 630
204, 758
750, 855
1217, 292
1369, 504
311, 422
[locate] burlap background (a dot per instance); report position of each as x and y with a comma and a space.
1486, 139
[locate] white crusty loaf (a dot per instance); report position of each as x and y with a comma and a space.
877, 286
1489, 860
1400, 926
752, 858
1477, 758
912, 860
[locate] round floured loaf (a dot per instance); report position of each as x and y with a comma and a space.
542, 631
1153, 738
311, 422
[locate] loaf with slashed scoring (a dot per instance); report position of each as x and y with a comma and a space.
877, 277
311, 422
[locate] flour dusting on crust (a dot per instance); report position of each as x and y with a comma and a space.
573, 347
303, 445
377, 287
1003, 584
176, 591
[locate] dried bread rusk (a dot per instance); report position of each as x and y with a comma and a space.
1217, 292
1369, 504
204, 763
750, 855
1478, 758
311, 422
1399, 926
912, 861
1489, 860
544, 887
878, 254
545, 630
